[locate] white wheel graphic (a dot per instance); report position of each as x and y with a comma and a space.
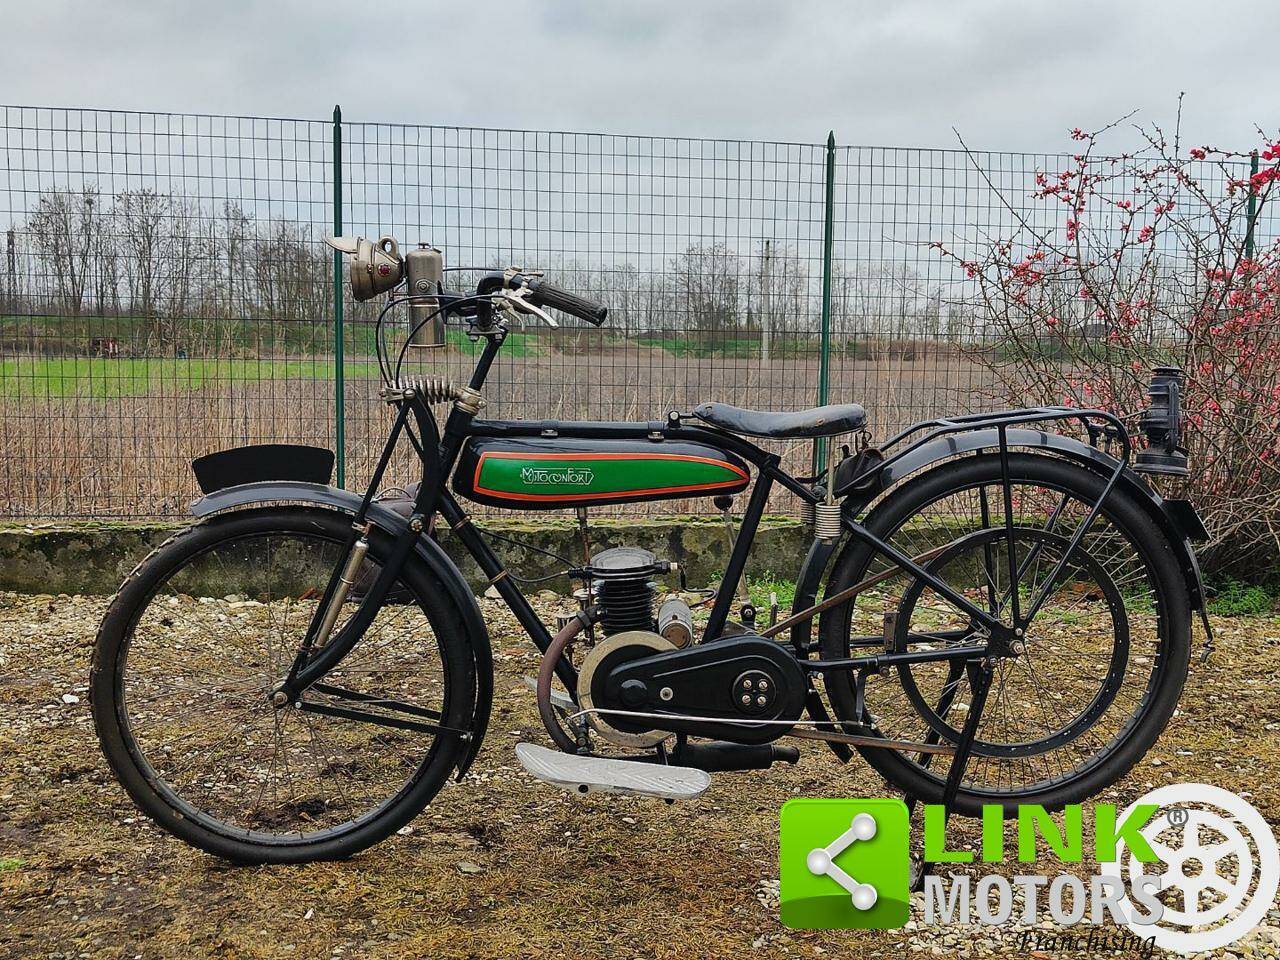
1199, 867
1210, 863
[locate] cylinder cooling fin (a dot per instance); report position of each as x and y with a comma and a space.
622, 580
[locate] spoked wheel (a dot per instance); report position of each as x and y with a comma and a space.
1086, 630
191, 650
1075, 702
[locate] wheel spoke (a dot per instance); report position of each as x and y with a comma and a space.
1092, 654
204, 653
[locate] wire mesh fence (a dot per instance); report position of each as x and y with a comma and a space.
163, 296
166, 293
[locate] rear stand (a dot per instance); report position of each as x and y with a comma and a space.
979, 673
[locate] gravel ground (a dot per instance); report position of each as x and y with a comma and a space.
498, 866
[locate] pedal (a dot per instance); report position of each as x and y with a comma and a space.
559, 700
604, 775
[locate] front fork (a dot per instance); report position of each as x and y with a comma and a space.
322, 650
346, 581
317, 637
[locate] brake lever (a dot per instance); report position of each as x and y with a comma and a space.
516, 303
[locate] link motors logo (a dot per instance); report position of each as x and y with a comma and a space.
845, 864
1187, 867
558, 476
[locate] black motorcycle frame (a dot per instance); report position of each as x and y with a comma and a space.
438, 450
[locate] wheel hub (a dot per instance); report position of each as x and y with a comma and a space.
1005, 642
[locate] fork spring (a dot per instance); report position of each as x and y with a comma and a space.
435, 390
432, 389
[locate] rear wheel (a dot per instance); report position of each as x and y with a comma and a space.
202, 633
1076, 703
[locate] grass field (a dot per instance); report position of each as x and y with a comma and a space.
105, 378
240, 337
83, 436
730, 347
102, 378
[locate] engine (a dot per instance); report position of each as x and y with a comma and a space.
736, 688
622, 583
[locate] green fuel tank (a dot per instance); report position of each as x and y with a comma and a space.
553, 474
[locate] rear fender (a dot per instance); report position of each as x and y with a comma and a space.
251, 495
1175, 518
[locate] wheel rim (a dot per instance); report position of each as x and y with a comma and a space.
204, 653
938, 520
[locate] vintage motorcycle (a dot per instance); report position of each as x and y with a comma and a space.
297, 675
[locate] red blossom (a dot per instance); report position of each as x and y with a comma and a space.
1222, 322
1262, 178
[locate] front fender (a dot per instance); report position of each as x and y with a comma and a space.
263, 493
1175, 518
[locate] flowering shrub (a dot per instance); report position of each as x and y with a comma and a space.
1123, 262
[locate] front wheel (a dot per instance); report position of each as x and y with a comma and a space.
1074, 704
205, 629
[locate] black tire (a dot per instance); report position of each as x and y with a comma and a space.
165, 804
1126, 522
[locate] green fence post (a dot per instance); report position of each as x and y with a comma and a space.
339, 380
1253, 207
824, 361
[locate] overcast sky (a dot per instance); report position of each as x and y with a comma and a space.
1008, 75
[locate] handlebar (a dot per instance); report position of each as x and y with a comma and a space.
379, 268
544, 294
541, 293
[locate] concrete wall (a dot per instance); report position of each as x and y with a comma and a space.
93, 557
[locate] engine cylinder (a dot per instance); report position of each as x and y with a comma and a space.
622, 579
626, 604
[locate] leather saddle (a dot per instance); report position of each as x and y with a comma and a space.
825, 421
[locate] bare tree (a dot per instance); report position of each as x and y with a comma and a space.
237, 237
707, 286
105, 272
142, 215
63, 226
883, 300
778, 294
11, 291
185, 251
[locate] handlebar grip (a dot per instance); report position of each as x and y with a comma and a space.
543, 294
